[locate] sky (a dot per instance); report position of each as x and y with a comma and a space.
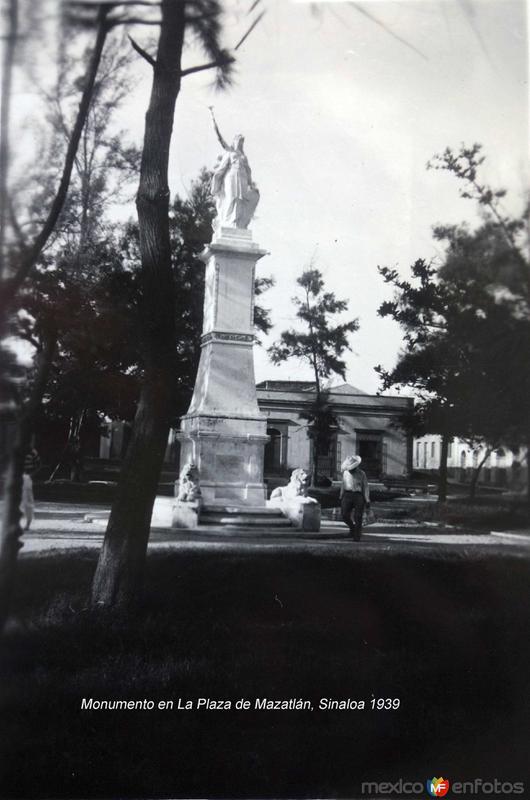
342, 104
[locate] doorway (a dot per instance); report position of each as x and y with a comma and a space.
274, 456
370, 449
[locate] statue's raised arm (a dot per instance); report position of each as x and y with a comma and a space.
236, 195
222, 142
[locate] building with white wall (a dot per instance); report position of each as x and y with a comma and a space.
503, 467
368, 425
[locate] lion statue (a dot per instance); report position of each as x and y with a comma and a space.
189, 488
296, 488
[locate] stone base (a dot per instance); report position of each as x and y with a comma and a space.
250, 519
186, 514
304, 513
229, 455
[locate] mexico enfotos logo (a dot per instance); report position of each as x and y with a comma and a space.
439, 787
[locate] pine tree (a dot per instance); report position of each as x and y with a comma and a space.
321, 345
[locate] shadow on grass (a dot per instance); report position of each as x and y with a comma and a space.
449, 637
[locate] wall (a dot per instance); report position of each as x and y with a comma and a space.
356, 415
503, 468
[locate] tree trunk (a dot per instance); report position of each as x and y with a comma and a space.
528, 472
475, 475
442, 474
121, 562
65, 458
316, 437
119, 572
30, 255
10, 542
315, 461
5, 109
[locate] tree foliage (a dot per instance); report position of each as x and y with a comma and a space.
466, 323
80, 288
320, 344
94, 306
493, 262
14, 270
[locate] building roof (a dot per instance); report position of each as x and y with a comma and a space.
345, 388
306, 386
287, 386
287, 395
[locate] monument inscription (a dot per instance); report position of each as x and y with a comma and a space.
229, 467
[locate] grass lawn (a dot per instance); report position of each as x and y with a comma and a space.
448, 635
488, 512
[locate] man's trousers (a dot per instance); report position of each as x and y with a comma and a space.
352, 507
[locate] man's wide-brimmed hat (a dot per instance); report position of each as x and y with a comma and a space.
350, 463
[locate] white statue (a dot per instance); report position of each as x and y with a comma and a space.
295, 504
189, 489
236, 195
295, 489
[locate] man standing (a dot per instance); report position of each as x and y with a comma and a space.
27, 505
355, 495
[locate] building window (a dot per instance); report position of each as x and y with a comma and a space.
418, 445
450, 450
433, 449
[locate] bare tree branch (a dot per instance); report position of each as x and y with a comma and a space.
133, 21
92, 4
19, 233
142, 52
210, 65
469, 11
394, 35
198, 17
247, 34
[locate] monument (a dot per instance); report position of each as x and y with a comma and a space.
223, 432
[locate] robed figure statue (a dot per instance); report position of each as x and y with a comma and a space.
235, 194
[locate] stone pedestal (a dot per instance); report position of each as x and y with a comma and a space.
304, 513
223, 432
186, 514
